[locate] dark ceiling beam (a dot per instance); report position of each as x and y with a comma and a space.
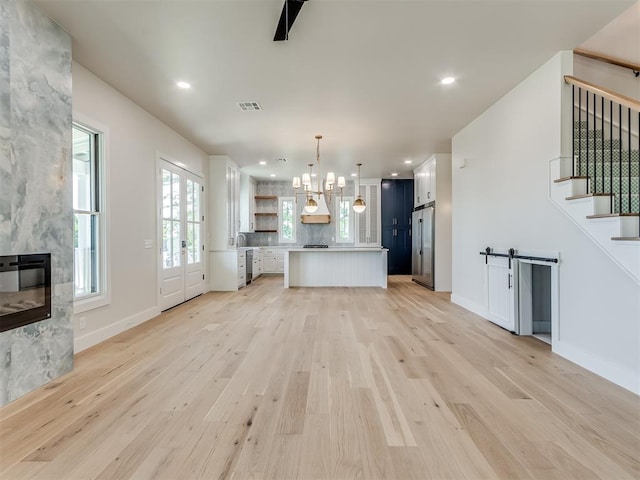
290, 11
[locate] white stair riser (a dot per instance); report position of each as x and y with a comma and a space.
626, 254
615, 226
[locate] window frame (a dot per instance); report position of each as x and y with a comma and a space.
100, 212
351, 238
282, 239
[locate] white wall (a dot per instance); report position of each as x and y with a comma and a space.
135, 138
500, 200
619, 39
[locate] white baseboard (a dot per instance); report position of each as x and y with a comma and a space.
95, 337
470, 305
617, 374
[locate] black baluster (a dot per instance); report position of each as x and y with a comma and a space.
573, 130
620, 158
579, 131
587, 145
602, 138
629, 155
611, 156
595, 150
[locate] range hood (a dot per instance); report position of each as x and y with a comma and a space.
321, 215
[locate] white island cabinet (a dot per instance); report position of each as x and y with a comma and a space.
335, 267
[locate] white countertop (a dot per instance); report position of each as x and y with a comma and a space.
339, 249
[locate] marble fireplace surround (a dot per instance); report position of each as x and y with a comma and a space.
35, 187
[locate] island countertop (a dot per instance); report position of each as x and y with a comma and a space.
338, 249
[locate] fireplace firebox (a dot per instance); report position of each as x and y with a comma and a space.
25, 289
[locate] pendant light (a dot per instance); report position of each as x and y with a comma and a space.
358, 204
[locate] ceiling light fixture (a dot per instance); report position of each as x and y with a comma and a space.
394, 174
323, 187
272, 174
183, 85
262, 162
358, 204
408, 162
447, 80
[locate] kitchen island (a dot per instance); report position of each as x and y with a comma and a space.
335, 267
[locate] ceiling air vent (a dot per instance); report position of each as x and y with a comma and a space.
249, 106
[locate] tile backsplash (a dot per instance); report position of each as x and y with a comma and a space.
323, 234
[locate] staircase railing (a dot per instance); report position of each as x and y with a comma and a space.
634, 67
606, 145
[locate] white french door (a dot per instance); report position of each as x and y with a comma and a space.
180, 235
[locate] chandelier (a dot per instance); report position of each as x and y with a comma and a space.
324, 187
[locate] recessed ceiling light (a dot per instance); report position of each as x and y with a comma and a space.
272, 174
447, 80
354, 174
408, 162
183, 85
314, 174
262, 162
394, 174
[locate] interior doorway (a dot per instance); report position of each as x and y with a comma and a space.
538, 299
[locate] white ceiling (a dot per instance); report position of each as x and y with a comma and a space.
364, 74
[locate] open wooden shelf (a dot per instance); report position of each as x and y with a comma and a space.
266, 231
266, 214
266, 197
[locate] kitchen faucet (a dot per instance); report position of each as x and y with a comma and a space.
241, 240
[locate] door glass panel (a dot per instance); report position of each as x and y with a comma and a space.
193, 222
176, 259
196, 202
196, 243
175, 197
190, 201
166, 244
166, 193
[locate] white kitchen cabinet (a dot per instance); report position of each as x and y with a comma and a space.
224, 209
242, 268
368, 223
426, 179
257, 263
247, 204
273, 260
228, 270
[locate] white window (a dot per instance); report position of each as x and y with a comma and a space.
344, 220
286, 220
89, 270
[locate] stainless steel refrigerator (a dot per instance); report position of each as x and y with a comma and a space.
422, 254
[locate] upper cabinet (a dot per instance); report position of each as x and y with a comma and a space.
247, 204
368, 231
426, 184
224, 202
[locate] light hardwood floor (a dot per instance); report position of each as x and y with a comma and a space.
322, 383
